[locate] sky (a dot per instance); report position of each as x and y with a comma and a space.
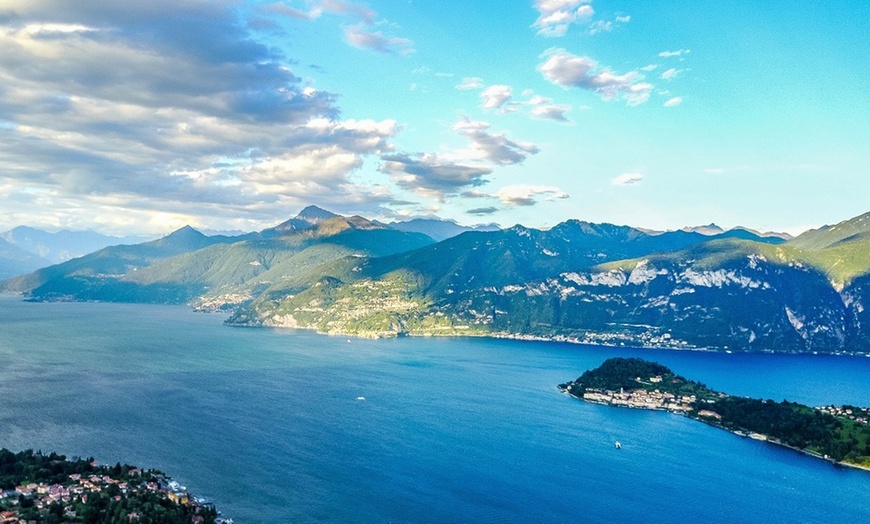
141, 117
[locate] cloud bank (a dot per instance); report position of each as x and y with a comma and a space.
120, 106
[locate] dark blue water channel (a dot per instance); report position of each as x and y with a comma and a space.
268, 423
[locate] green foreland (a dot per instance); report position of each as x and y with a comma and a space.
839, 434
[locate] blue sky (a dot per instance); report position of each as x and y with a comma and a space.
235, 115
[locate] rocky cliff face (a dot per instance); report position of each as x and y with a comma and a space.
856, 298
746, 305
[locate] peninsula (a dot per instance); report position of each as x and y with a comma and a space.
50, 489
838, 434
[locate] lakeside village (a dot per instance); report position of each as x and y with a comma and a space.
641, 398
683, 405
838, 434
55, 490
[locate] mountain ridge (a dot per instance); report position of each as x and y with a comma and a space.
577, 281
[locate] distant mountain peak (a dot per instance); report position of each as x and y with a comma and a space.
439, 228
710, 229
314, 214
186, 237
185, 231
310, 216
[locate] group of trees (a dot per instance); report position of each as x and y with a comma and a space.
34, 466
797, 425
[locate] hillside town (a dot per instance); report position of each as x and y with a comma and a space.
106, 493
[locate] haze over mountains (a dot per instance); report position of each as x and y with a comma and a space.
578, 281
24, 249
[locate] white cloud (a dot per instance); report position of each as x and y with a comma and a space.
600, 26
167, 107
627, 179
678, 52
359, 37
517, 195
545, 108
568, 70
343, 8
555, 16
470, 82
528, 195
496, 97
649, 67
671, 73
673, 102
495, 148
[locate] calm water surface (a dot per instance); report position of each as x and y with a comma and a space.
267, 423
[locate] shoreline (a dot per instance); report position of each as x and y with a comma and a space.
738, 433
540, 338
568, 339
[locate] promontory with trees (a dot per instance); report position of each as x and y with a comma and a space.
839, 434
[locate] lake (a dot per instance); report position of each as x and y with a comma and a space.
268, 424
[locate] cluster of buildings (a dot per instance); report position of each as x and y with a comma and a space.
641, 398
80, 487
860, 415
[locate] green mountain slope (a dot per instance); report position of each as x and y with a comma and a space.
218, 271
722, 292
827, 236
518, 254
581, 282
224, 275
91, 276
116, 260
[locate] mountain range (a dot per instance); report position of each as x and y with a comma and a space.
24, 249
734, 290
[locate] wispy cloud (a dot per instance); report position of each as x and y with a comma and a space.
627, 179
678, 52
673, 102
495, 148
569, 70
519, 195
362, 32
671, 73
546, 108
470, 82
343, 8
438, 174
360, 37
555, 17
528, 195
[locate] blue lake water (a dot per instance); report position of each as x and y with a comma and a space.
267, 423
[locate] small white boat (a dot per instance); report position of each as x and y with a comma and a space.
618, 445
360, 398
